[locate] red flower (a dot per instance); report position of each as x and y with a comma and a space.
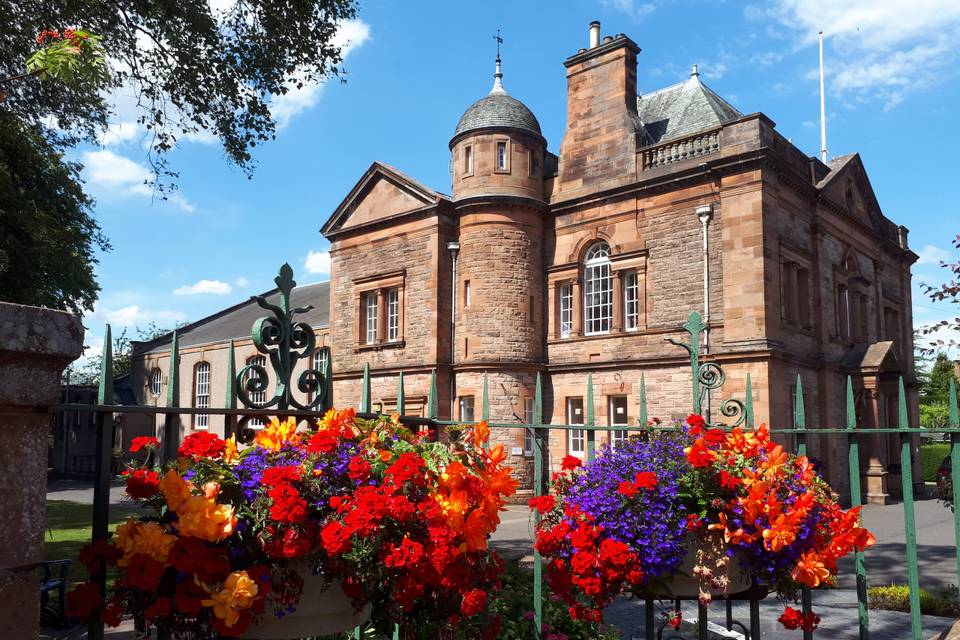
646, 480
112, 614
543, 504
94, 556
583, 537
188, 597
695, 422
323, 442
628, 488
569, 463
359, 468
407, 467
143, 573
474, 602
728, 481
143, 441
791, 618
202, 444
335, 538
693, 522
275, 476
193, 555
160, 607
83, 600
714, 436
142, 484
287, 505
675, 619
408, 553
298, 542
699, 455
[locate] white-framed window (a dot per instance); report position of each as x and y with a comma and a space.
566, 310
156, 379
631, 301
319, 362
468, 159
201, 394
256, 396
466, 408
576, 438
528, 439
393, 315
617, 418
501, 155
370, 302
597, 290
466, 293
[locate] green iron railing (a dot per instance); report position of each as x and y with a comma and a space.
286, 341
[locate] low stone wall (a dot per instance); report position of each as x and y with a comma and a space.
35, 346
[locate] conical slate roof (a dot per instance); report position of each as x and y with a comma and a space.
497, 109
683, 109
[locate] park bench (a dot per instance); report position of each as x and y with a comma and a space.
54, 579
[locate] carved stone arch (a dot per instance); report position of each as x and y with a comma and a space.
850, 263
583, 245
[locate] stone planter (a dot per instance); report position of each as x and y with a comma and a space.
323, 610
711, 551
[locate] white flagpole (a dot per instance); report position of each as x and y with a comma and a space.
823, 110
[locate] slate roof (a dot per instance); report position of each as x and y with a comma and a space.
498, 110
237, 321
683, 109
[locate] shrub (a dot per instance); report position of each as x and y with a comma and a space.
931, 455
896, 597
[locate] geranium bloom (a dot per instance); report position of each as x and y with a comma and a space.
645, 480
143, 572
323, 442
238, 593
473, 602
96, 555
83, 600
202, 444
142, 442
569, 463
543, 504
143, 483
696, 423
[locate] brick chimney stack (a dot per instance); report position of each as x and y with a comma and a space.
600, 143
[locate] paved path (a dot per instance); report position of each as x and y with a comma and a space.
80, 490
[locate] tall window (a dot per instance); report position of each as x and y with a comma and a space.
618, 418
466, 293
528, 438
319, 359
566, 310
256, 396
501, 155
576, 438
466, 408
631, 301
795, 295
393, 315
371, 317
201, 394
597, 290
156, 379
468, 159
843, 312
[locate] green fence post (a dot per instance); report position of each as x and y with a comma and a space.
230, 397
749, 420
909, 516
644, 417
171, 422
538, 490
485, 403
432, 409
954, 422
800, 424
365, 402
856, 499
104, 449
401, 397
590, 422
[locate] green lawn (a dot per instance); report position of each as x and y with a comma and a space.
68, 528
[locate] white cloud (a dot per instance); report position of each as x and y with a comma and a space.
880, 49
241, 282
931, 254
134, 315
634, 9
350, 36
119, 132
118, 175
317, 262
212, 287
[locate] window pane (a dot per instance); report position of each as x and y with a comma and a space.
597, 290
631, 293
575, 437
201, 394
156, 379
468, 160
618, 417
501, 155
393, 315
528, 444
371, 318
257, 397
466, 408
566, 310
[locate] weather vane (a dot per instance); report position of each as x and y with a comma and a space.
499, 42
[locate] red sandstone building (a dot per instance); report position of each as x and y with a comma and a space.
586, 261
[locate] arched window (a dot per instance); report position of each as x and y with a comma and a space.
256, 396
201, 394
597, 290
156, 379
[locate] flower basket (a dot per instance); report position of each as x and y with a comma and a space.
696, 512
324, 609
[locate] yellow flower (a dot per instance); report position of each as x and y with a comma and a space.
148, 538
276, 434
230, 452
237, 593
175, 489
204, 518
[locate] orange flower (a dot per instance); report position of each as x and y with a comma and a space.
175, 489
781, 534
777, 458
148, 538
737, 536
230, 451
339, 422
481, 433
204, 518
276, 434
475, 531
238, 593
810, 571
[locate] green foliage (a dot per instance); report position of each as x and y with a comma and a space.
896, 597
87, 372
76, 56
949, 292
935, 415
48, 238
931, 455
937, 387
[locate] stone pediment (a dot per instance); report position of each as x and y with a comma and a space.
848, 186
879, 357
381, 194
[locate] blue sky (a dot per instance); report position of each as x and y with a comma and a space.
413, 68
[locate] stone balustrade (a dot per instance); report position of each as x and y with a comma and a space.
696, 146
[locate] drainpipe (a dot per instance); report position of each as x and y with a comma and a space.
454, 248
705, 214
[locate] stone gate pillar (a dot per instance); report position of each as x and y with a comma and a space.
35, 346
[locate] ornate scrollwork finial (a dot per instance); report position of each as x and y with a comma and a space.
284, 341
